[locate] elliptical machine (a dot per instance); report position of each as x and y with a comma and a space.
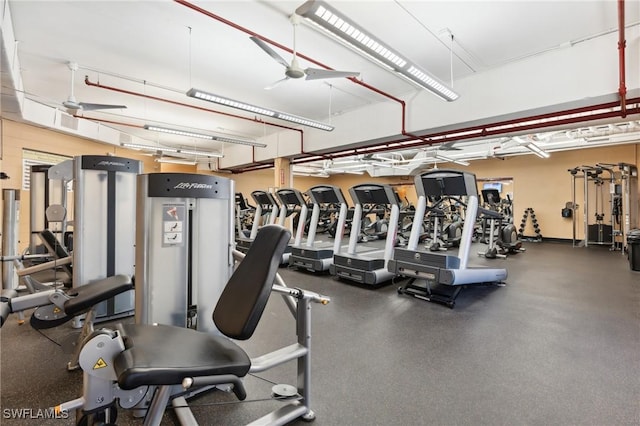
502, 236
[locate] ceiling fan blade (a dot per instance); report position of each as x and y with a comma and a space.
318, 74
264, 46
92, 107
272, 85
449, 147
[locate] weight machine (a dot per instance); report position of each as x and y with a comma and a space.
151, 367
610, 196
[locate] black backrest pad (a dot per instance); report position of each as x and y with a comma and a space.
53, 244
244, 298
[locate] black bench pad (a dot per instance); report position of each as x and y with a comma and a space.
85, 297
165, 355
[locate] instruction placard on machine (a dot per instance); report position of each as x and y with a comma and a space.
173, 216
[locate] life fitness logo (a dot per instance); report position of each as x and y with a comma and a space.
192, 185
111, 163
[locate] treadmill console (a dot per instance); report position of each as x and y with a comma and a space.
263, 198
439, 183
326, 194
373, 194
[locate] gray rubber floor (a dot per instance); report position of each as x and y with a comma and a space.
558, 345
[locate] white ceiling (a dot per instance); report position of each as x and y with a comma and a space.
163, 48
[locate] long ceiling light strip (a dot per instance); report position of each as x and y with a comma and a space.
338, 25
164, 150
176, 161
220, 100
528, 144
239, 142
452, 160
200, 153
149, 147
202, 136
537, 150
177, 132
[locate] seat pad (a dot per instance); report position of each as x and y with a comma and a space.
165, 355
85, 297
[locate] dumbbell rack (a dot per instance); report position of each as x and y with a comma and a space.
529, 213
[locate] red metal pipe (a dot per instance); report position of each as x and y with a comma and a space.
423, 139
155, 98
278, 45
622, 43
303, 56
129, 92
493, 129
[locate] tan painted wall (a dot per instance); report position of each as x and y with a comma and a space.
545, 184
16, 136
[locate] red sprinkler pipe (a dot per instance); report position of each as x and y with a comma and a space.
622, 43
155, 98
298, 54
257, 166
492, 129
487, 130
278, 45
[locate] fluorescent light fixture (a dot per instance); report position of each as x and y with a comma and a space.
176, 161
202, 136
321, 175
239, 142
177, 132
537, 150
360, 165
164, 149
452, 160
200, 153
461, 162
329, 19
199, 94
149, 147
349, 172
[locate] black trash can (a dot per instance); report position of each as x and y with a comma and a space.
633, 247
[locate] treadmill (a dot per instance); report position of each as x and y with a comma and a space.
314, 256
370, 265
243, 212
444, 275
292, 202
266, 214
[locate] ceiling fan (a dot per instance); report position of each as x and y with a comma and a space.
293, 69
74, 106
449, 146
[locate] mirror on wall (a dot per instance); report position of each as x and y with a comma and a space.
497, 194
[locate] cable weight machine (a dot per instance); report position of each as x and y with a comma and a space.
609, 204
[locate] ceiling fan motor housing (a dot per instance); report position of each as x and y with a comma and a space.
292, 72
